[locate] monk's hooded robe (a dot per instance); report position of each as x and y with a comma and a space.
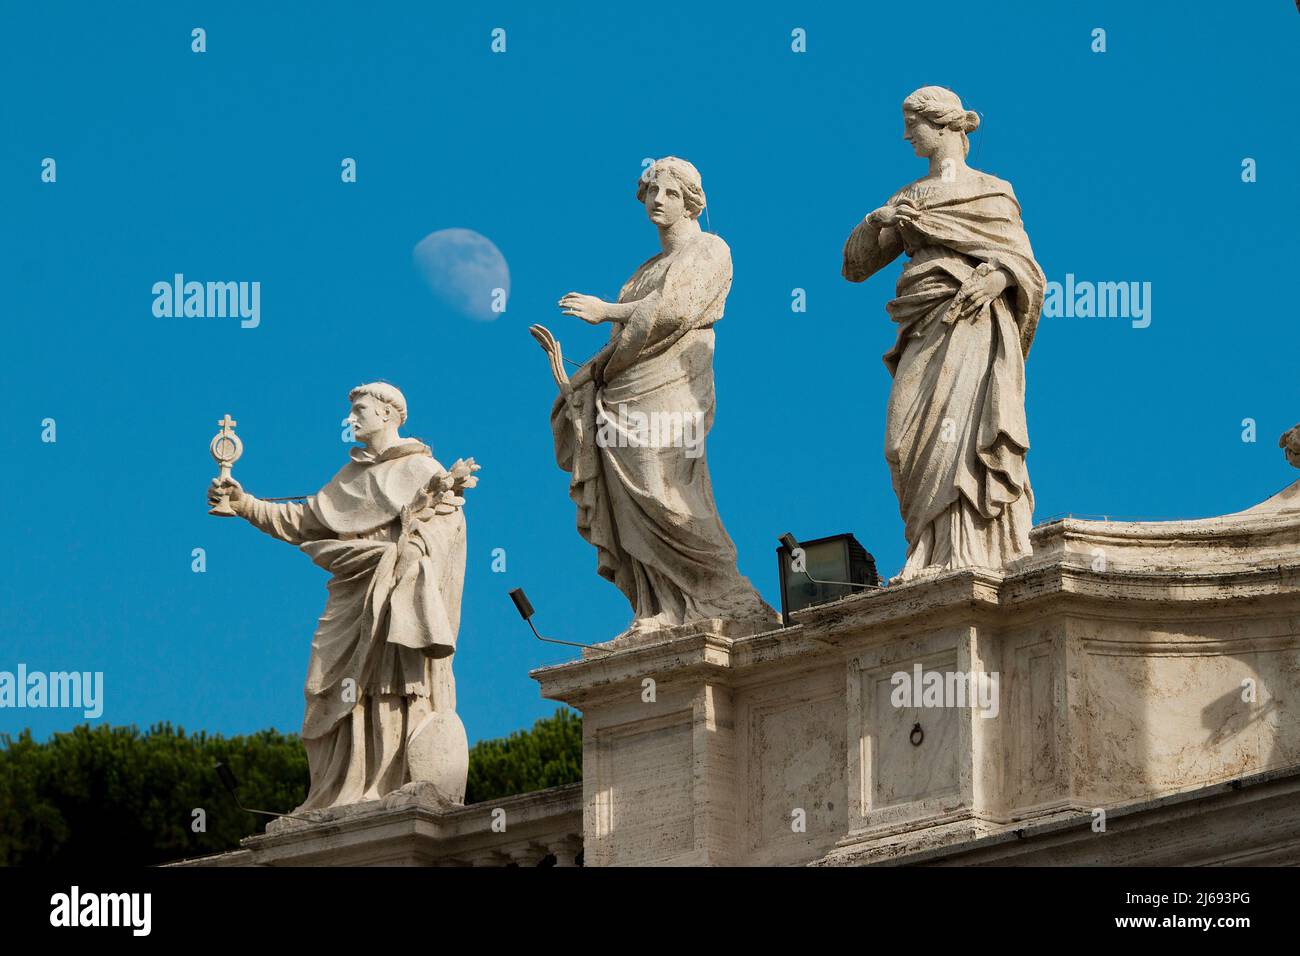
644, 497
397, 562
955, 433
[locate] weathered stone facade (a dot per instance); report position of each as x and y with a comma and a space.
1142, 674
1135, 661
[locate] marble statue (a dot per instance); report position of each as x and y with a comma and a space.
631, 423
389, 527
966, 306
1290, 445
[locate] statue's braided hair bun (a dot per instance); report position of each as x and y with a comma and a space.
942, 107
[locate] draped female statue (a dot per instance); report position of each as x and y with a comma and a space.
966, 307
630, 425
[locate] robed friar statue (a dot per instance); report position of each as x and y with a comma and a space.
389, 528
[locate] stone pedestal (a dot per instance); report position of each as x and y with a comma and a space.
524, 830
1133, 661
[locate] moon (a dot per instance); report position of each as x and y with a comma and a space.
464, 271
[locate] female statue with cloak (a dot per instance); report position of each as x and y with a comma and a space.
966, 307
630, 425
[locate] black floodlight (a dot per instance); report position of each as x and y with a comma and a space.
522, 604
822, 570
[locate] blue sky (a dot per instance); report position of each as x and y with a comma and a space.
225, 166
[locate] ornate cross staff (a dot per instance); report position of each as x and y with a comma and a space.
226, 449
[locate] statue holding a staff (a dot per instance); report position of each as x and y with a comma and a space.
389, 527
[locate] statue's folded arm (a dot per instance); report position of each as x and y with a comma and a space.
868, 250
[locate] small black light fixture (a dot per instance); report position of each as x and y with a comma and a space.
525, 609
830, 568
232, 787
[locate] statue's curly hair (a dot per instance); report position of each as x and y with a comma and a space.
684, 174
1290, 443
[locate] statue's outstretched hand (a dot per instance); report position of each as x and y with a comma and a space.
224, 487
589, 308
